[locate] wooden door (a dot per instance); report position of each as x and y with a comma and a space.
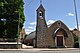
59, 40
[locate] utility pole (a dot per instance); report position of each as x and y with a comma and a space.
18, 30
77, 22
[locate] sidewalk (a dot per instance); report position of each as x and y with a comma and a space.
30, 48
46, 49
40, 49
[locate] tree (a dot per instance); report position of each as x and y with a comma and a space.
11, 10
26, 35
76, 43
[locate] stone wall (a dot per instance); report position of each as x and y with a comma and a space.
10, 45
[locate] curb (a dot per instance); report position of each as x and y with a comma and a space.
40, 49
64, 49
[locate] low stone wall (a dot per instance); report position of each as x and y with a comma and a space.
10, 45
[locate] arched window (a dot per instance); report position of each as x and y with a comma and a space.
40, 14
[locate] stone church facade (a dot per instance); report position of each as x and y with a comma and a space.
57, 35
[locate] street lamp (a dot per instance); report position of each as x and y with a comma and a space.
77, 22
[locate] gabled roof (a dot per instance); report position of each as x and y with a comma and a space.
40, 7
59, 21
30, 36
58, 25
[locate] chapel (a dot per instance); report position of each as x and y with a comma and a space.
56, 35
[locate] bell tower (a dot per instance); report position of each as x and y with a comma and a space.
41, 27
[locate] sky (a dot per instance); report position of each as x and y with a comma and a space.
55, 10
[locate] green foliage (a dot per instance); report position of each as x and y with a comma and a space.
76, 43
75, 37
26, 35
10, 10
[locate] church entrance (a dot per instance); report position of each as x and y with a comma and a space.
59, 41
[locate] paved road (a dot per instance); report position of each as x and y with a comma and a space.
40, 51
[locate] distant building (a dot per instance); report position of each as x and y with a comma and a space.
75, 31
56, 35
30, 38
22, 35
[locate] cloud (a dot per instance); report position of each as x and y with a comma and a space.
71, 28
33, 26
75, 27
33, 23
30, 27
28, 31
70, 14
78, 26
50, 22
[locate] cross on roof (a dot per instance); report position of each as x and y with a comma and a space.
40, 1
